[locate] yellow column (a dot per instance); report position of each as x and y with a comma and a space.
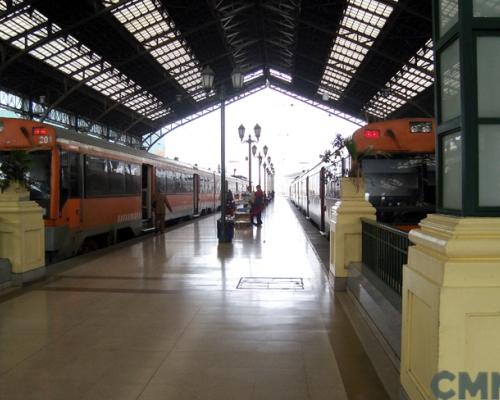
345, 228
22, 234
451, 303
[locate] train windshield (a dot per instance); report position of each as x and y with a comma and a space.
391, 182
39, 175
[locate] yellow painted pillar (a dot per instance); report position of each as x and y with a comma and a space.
345, 228
22, 234
451, 303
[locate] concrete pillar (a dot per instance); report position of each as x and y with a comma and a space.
451, 286
22, 234
345, 228
451, 303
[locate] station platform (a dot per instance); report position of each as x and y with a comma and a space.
177, 316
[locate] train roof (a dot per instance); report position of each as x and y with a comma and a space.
104, 144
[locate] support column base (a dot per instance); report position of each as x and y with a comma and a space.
22, 278
338, 283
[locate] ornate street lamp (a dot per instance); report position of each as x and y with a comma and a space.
207, 80
252, 150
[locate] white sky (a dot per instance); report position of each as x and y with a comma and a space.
295, 133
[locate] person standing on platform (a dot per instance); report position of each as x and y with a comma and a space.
230, 207
246, 197
159, 203
257, 206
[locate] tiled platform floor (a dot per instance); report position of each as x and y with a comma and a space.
163, 319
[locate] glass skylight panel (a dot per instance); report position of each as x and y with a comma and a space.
150, 24
413, 78
331, 95
280, 75
363, 21
71, 57
253, 75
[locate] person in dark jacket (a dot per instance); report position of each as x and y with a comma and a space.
257, 206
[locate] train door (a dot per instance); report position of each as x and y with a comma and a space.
196, 194
322, 198
147, 180
307, 197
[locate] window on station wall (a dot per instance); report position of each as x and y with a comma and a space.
489, 167
488, 76
452, 171
486, 8
450, 82
448, 15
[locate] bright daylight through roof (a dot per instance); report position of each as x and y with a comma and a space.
295, 133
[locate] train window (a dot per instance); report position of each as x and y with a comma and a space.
116, 176
420, 127
70, 182
161, 180
133, 179
188, 182
39, 174
178, 182
170, 181
96, 177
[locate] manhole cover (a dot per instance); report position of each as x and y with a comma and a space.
271, 283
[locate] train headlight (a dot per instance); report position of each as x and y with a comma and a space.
1, 126
39, 130
372, 133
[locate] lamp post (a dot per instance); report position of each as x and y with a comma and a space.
251, 149
268, 176
264, 165
207, 77
260, 163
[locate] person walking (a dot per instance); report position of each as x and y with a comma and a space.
257, 206
159, 203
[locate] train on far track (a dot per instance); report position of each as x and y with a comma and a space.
399, 174
94, 192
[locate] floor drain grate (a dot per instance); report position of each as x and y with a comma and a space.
271, 283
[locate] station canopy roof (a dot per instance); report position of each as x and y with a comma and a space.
134, 66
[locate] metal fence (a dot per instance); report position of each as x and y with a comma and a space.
385, 250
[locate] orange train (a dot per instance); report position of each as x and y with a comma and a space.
400, 183
93, 191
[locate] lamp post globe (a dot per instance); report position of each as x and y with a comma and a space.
257, 130
237, 78
207, 78
264, 149
241, 132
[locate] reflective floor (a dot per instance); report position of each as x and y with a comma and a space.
163, 319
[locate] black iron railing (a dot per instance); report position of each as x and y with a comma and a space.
385, 250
